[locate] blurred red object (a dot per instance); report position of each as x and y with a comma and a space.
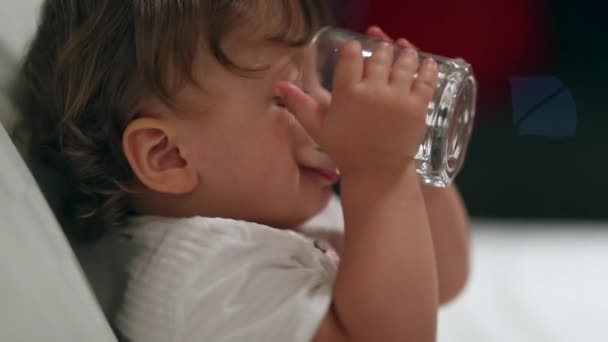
500, 38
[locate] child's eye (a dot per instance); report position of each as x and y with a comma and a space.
278, 101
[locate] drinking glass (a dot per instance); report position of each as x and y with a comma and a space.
450, 114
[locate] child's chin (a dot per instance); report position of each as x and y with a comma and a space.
310, 208
320, 202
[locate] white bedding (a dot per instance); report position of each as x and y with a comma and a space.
43, 295
18, 20
544, 282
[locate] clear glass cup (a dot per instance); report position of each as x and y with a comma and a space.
450, 114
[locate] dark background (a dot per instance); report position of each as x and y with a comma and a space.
508, 173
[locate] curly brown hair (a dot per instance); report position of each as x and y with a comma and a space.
90, 64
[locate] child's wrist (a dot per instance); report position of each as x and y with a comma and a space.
381, 178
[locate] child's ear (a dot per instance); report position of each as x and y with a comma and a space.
151, 149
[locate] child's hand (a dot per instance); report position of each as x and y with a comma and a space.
376, 120
376, 32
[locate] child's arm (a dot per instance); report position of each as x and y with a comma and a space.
450, 230
449, 224
386, 287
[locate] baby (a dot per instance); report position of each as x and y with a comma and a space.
180, 126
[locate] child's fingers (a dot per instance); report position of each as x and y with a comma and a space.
404, 68
376, 32
321, 95
404, 43
349, 69
305, 108
424, 86
378, 66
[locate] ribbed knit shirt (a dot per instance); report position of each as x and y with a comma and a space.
212, 279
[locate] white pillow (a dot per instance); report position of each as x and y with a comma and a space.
43, 292
8, 65
18, 20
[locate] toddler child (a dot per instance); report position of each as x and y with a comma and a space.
180, 126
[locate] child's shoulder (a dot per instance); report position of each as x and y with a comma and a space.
206, 232
211, 245
208, 235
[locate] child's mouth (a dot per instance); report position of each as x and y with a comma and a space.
313, 161
331, 175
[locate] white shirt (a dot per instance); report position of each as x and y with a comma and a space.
210, 279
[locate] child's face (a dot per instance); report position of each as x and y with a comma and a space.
254, 160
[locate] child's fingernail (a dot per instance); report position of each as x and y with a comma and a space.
410, 51
430, 62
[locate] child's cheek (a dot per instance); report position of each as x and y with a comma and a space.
284, 124
298, 133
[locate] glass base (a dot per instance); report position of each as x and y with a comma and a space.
450, 120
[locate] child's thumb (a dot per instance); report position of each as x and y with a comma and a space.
304, 107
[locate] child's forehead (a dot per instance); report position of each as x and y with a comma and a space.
270, 20
258, 36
